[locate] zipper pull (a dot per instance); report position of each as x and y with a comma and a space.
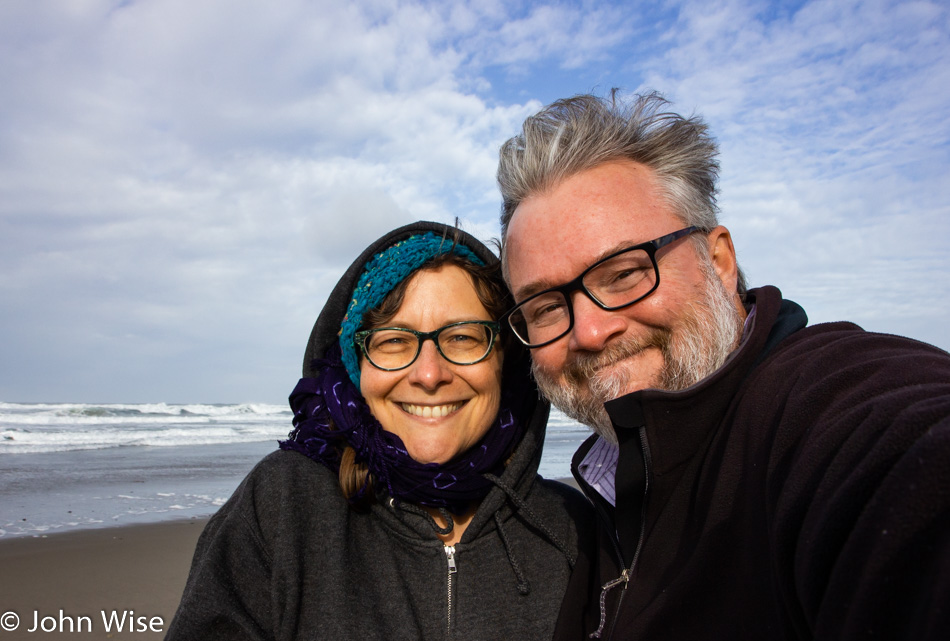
450, 556
607, 587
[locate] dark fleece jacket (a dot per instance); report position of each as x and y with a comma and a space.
800, 492
288, 558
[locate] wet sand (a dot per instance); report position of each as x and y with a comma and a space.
68, 581
138, 571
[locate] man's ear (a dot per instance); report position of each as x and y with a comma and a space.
723, 256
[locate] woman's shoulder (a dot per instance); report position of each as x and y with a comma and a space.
282, 462
286, 470
282, 483
284, 493
563, 494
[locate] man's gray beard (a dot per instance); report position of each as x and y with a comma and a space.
709, 332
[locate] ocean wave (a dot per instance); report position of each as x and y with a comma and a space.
32, 442
140, 409
65, 427
39, 428
83, 414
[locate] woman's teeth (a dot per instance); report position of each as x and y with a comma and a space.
431, 411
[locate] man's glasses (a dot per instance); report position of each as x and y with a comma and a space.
395, 348
617, 281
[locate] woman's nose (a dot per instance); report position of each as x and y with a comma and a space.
430, 370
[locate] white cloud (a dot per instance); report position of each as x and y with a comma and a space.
833, 124
168, 170
181, 183
558, 31
171, 169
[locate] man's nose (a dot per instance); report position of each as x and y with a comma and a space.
430, 370
593, 327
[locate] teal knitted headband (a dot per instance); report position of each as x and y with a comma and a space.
382, 274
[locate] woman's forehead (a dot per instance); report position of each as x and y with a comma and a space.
444, 295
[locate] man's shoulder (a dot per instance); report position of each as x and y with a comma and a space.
844, 345
837, 374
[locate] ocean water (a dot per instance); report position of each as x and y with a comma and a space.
72, 466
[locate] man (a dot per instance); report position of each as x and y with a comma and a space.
755, 478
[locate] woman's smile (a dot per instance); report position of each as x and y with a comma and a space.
430, 411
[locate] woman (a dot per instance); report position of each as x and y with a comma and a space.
406, 503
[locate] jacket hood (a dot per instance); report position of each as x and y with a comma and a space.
523, 463
327, 327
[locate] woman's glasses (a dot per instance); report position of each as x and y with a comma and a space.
395, 348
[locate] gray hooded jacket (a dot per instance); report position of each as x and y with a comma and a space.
288, 558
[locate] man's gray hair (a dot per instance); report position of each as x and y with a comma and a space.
575, 134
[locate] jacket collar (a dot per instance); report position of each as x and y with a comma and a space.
681, 421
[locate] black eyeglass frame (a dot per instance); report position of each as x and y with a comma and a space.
361, 336
650, 247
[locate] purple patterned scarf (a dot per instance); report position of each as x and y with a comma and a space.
330, 412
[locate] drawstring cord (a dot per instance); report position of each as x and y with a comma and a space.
523, 586
528, 514
533, 518
521, 507
413, 509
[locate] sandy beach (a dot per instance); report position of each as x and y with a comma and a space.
88, 528
138, 569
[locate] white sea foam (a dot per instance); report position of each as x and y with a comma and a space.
75, 466
38, 428
65, 427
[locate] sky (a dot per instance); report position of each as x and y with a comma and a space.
182, 182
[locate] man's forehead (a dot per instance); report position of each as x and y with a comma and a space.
574, 264
556, 233
540, 256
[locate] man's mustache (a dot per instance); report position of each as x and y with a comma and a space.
584, 367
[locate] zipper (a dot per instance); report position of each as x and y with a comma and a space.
450, 558
627, 574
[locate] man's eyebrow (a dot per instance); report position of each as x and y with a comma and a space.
540, 285
533, 288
